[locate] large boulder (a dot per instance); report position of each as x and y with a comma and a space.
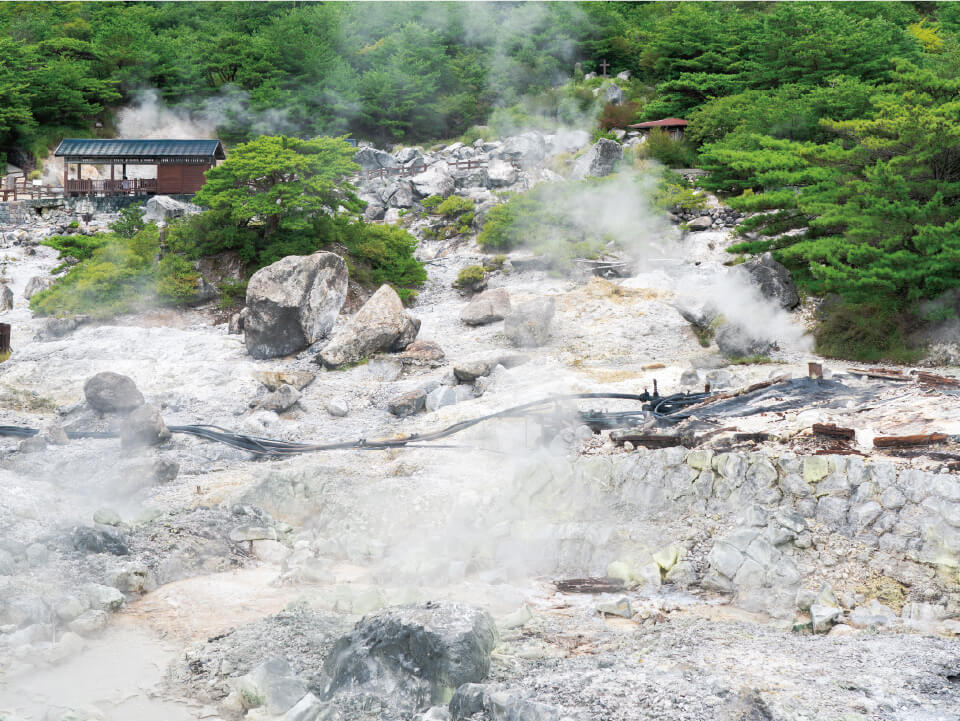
527, 148
501, 173
435, 180
487, 307
36, 284
164, 208
381, 324
110, 392
614, 94
398, 193
773, 280
736, 341
373, 159
528, 324
409, 157
412, 657
598, 161
293, 303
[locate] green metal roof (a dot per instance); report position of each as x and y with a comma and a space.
141, 150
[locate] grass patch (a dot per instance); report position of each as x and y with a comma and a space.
751, 360
865, 333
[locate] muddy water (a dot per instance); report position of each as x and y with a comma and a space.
115, 676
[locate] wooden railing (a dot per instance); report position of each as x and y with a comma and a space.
17, 187
469, 164
133, 186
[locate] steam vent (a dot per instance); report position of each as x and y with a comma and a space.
612, 375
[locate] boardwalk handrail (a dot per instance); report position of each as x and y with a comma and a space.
402, 170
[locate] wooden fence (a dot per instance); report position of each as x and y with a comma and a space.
469, 164
17, 187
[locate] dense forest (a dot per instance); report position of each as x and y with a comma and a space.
841, 121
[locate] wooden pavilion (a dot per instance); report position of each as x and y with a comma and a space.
673, 126
181, 165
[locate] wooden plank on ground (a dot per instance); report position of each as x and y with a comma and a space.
907, 441
831, 430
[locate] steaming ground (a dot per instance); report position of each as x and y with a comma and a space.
486, 522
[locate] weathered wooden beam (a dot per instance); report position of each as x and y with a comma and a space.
907, 441
880, 373
832, 430
932, 379
650, 440
815, 370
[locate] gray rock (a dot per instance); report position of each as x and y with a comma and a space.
89, 623
111, 392
690, 377
440, 397
419, 654
164, 208
528, 324
435, 180
282, 399
253, 533
293, 303
501, 173
399, 194
235, 324
423, 352
144, 427
275, 380
101, 539
620, 608
735, 341
725, 559
381, 324
469, 371
6, 297
406, 404
36, 284
773, 280
527, 148
274, 685
338, 407
107, 517
872, 614
409, 156
310, 708
374, 211
614, 94
103, 598
825, 609
704, 222
133, 577
599, 161
373, 159
487, 307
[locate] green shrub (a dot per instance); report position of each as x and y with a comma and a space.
430, 203
454, 206
672, 153
129, 223
470, 275
232, 292
117, 277
176, 279
74, 224
80, 247
383, 254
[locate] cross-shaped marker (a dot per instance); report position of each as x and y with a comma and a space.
603, 66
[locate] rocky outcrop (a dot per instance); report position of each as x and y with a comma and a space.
501, 173
614, 94
381, 324
527, 149
412, 657
110, 392
435, 180
293, 303
487, 307
599, 161
528, 324
36, 284
373, 159
772, 279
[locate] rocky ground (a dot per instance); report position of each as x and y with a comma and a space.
736, 580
